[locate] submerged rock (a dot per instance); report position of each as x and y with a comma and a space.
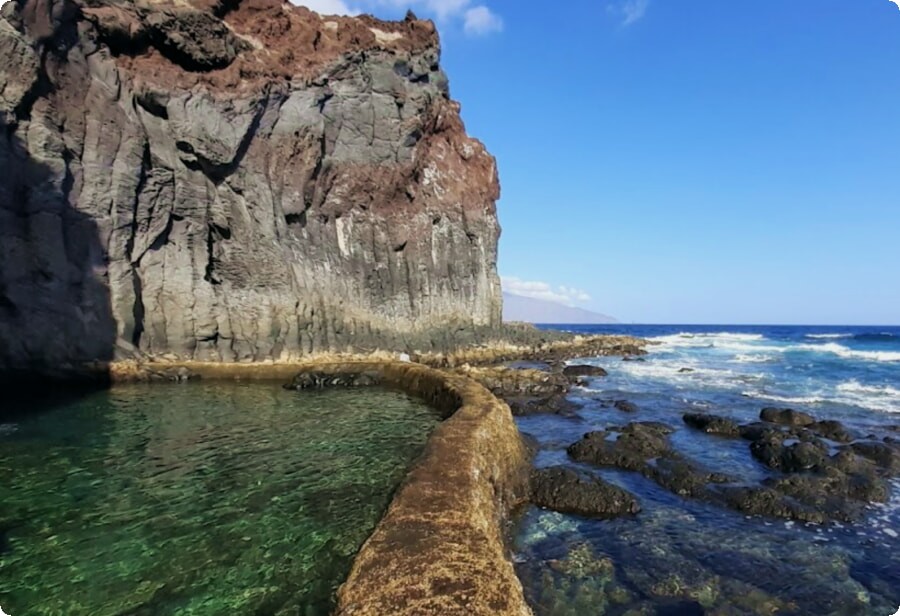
567, 491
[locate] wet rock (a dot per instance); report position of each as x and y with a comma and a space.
173, 375
576, 372
833, 431
712, 424
567, 491
556, 405
756, 500
837, 495
885, 455
786, 417
633, 358
625, 406
683, 478
629, 447
322, 380
782, 454
509, 383
685, 370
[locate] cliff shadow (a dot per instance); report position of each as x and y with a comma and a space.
57, 331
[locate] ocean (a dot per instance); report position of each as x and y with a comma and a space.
683, 556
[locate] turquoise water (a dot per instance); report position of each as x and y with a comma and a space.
197, 500
680, 556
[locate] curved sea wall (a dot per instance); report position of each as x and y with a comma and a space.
440, 547
233, 180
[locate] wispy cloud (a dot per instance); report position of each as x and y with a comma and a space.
542, 290
632, 11
328, 7
476, 20
480, 21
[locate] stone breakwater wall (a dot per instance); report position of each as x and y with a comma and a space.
440, 549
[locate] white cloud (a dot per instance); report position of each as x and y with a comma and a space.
476, 21
328, 7
480, 20
631, 11
542, 290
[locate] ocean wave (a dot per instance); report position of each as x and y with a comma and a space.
694, 339
852, 393
882, 337
828, 336
872, 390
753, 359
812, 399
848, 353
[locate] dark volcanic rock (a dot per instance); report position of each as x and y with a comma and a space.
321, 380
233, 181
884, 455
712, 424
754, 500
557, 404
832, 430
628, 448
574, 373
625, 406
567, 491
786, 417
779, 453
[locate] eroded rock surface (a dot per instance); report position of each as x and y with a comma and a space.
568, 491
233, 181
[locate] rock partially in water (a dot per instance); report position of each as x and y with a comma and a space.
712, 424
568, 491
778, 452
321, 380
579, 371
625, 406
885, 455
557, 404
629, 447
787, 417
833, 431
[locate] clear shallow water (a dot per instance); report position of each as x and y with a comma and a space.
200, 500
681, 557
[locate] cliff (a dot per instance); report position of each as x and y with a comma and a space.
233, 181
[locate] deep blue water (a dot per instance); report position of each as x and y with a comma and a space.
677, 551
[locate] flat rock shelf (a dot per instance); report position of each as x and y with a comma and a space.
198, 499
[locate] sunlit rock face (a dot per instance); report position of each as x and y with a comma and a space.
233, 181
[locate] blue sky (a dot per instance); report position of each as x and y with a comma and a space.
694, 161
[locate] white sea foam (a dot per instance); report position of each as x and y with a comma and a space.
848, 353
705, 339
813, 399
753, 359
828, 336
852, 393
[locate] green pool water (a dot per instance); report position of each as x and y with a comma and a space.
199, 499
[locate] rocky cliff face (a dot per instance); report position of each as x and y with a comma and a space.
232, 180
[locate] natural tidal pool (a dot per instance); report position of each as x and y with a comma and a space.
198, 499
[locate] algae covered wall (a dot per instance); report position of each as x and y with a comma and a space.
233, 181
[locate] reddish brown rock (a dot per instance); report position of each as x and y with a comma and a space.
233, 181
